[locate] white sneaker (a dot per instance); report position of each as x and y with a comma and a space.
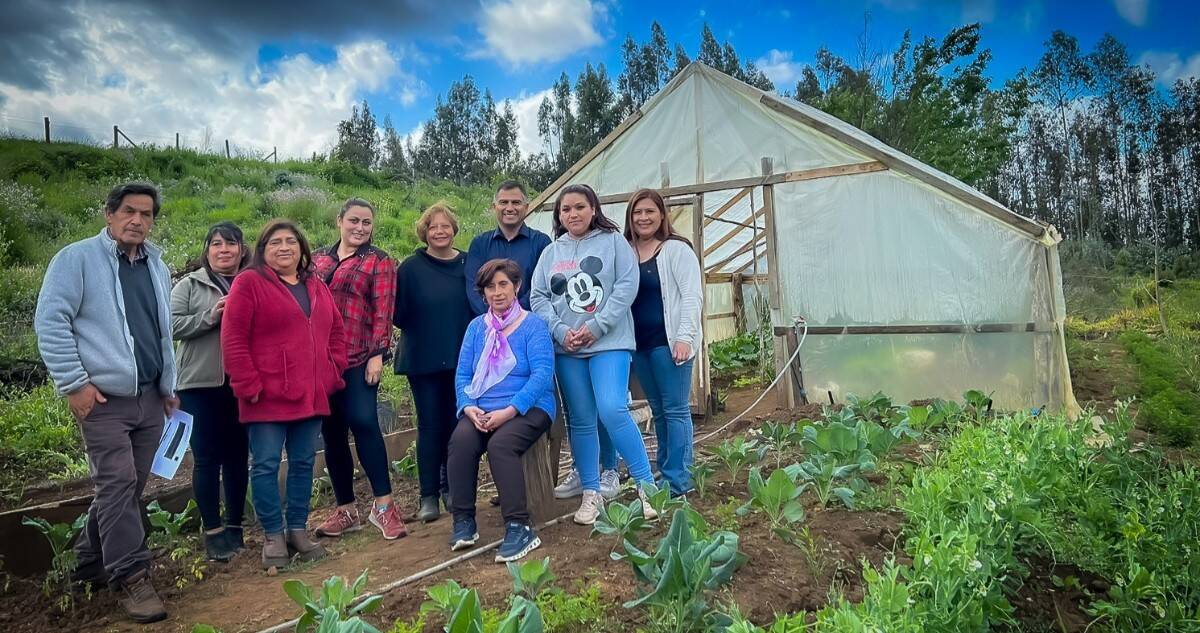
649, 513
589, 509
610, 484
572, 486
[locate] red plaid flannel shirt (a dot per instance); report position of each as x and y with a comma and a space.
364, 289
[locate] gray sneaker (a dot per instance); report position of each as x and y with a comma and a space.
610, 484
589, 508
140, 600
572, 486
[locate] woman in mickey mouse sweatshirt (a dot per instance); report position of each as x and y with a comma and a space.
583, 286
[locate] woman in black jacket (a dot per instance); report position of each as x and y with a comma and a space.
432, 313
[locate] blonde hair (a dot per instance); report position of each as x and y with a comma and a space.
439, 207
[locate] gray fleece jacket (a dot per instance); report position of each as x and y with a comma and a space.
80, 321
591, 280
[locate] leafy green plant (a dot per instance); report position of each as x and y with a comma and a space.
407, 466
701, 472
623, 520
62, 561
824, 473
444, 598
682, 571
875, 407
531, 578
334, 605
168, 528
322, 489
778, 497
736, 452
660, 499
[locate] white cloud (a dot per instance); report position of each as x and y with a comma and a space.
982, 11
530, 31
1133, 11
1168, 66
525, 107
155, 87
778, 66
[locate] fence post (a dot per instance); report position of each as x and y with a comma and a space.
114, 137
227, 148
275, 153
46, 120
177, 141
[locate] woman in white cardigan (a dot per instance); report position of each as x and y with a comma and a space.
666, 316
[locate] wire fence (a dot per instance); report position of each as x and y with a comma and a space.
52, 128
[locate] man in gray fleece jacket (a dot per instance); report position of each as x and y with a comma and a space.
103, 326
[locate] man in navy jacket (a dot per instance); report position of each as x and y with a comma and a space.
511, 239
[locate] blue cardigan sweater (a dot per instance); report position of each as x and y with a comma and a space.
531, 381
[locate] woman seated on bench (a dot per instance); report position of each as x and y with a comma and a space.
505, 387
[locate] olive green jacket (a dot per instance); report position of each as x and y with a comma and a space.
198, 355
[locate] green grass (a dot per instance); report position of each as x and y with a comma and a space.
52, 194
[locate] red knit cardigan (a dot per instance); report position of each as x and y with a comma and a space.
292, 363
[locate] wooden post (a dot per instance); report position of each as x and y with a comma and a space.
177, 141
739, 303
115, 132
540, 465
275, 154
226, 148
786, 390
46, 120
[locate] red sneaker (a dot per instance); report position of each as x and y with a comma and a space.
340, 522
388, 521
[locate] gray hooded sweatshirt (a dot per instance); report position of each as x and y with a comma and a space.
591, 280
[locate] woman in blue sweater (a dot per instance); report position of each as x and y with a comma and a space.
505, 388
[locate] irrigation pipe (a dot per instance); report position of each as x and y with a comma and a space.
444, 565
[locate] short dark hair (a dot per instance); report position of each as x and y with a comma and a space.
355, 202
304, 268
511, 184
117, 196
599, 220
492, 267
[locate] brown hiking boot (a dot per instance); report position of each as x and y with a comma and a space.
140, 600
275, 551
307, 549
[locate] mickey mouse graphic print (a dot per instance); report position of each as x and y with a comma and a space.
589, 280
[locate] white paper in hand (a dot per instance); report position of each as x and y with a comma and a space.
177, 433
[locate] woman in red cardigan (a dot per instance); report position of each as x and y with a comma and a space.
285, 352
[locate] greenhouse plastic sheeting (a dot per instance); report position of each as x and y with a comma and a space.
931, 260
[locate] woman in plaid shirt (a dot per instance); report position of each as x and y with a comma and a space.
362, 279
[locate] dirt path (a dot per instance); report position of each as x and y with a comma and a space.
241, 597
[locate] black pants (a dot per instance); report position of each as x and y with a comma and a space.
355, 410
220, 452
504, 448
435, 402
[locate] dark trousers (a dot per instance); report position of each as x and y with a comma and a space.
120, 437
355, 410
504, 448
434, 400
220, 453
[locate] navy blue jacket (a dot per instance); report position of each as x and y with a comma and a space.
525, 249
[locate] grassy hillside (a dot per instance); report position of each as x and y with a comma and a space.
52, 194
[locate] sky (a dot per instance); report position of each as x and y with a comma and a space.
282, 73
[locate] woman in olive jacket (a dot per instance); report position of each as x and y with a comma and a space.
219, 447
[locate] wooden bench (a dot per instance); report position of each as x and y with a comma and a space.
540, 464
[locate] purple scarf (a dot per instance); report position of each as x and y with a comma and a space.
497, 359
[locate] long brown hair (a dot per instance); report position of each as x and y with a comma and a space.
665, 230
303, 269
599, 220
227, 231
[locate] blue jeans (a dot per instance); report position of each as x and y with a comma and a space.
267, 442
596, 393
667, 388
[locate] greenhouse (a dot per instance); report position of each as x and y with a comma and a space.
907, 280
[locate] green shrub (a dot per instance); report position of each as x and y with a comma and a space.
1167, 406
39, 441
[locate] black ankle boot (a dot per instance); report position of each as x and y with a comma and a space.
235, 536
217, 546
429, 509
